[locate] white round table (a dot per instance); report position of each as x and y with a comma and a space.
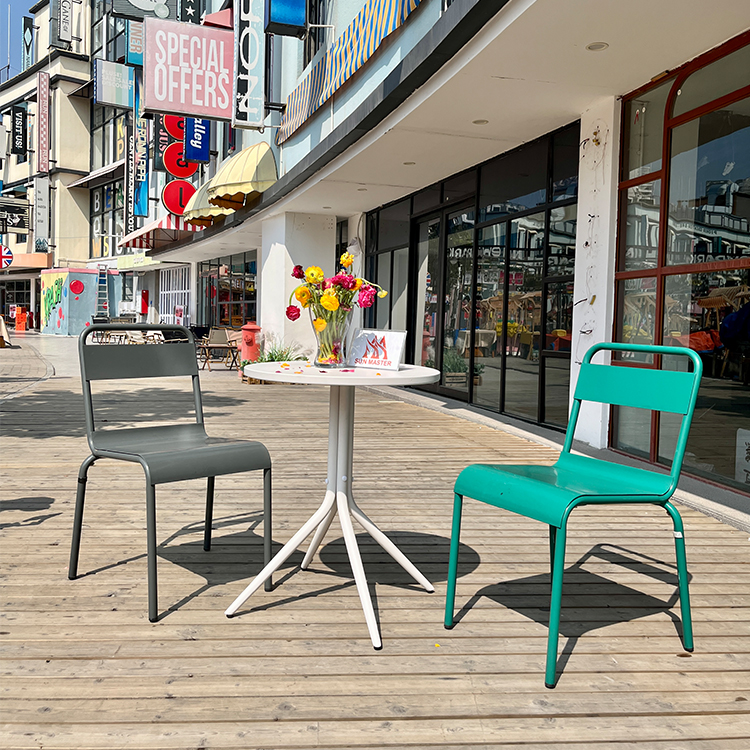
338, 495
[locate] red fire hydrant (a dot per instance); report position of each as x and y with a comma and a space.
250, 349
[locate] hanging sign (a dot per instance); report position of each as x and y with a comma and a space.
161, 141
41, 214
190, 11
28, 43
176, 195
6, 257
197, 137
174, 161
188, 69
56, 24
113, 84
42, 122
18, 132
175, 126
14, 215
130, 222
134, 46
65, 21
381, 349
249, 64
140, 9
140, 161
3, 147
286, 17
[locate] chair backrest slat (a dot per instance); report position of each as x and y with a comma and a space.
659, 390
123, 361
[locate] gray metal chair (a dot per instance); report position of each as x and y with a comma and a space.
167, 453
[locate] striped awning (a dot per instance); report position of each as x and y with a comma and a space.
169, 228
357, 43
245, 175
199, 212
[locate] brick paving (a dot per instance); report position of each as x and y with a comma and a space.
21, 365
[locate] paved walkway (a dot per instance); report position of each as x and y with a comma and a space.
21, 365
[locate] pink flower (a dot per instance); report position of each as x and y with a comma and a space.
344, 280
298, 273
366, 296
292, 312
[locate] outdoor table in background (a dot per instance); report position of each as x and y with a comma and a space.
338, 495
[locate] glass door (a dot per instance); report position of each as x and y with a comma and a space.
455, 342
427, 291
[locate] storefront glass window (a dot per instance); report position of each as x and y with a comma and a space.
640, 238
428, 284
709, 187
643, 120
565, 149
226, 291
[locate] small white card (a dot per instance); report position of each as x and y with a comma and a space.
380, 349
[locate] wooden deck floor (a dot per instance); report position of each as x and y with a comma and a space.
83, 668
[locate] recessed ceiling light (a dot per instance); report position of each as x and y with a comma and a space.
326, 206
597, 46
479, 122
361, 190
409, 163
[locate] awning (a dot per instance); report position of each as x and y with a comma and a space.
247, 174
97, 176
85, 90
169, 228
200, 212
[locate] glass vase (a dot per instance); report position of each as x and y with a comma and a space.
331, 328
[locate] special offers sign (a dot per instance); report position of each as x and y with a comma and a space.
188, 69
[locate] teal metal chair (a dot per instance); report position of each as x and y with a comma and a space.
549, 493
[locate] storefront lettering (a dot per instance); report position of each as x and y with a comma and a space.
52, 296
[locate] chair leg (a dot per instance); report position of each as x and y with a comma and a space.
153, 614
682, 576
209, 513
552, 538
450, 594
267, 536
75, 545
558, 567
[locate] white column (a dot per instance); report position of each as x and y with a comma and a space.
289, 240
594, 294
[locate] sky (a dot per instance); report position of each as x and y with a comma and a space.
18, 9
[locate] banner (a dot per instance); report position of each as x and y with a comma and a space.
197, 139
28, 43
130, 222
188, 69
249, 65
113, 84
140, 165
18, 131
42, 122
134, 46
14, 215
138, 10
41, 214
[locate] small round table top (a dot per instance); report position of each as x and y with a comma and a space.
304, 372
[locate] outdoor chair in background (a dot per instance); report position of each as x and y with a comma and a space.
169, 453
549, 493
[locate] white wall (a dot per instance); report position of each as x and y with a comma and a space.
289, 240
593, 313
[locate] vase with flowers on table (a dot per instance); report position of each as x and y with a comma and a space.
331, 302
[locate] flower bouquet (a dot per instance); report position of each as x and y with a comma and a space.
331, 302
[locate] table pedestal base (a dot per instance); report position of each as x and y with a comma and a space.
338, 499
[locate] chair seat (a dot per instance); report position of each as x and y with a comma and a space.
177, 452
545, 492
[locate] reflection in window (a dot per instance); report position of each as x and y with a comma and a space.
488, 336
227, 291
562, 241
640, 240
428, 244
709, 193
643, 131
565, 163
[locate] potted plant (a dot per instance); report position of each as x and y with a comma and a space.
272, 350
455, 369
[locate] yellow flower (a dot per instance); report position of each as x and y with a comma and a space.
357, 285
329, 302
302, 293
346, 260
314, 275
382, 293
319, 324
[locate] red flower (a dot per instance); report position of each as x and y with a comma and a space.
292, 312
298, 273
366, 296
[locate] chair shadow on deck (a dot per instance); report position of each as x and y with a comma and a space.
610, 602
